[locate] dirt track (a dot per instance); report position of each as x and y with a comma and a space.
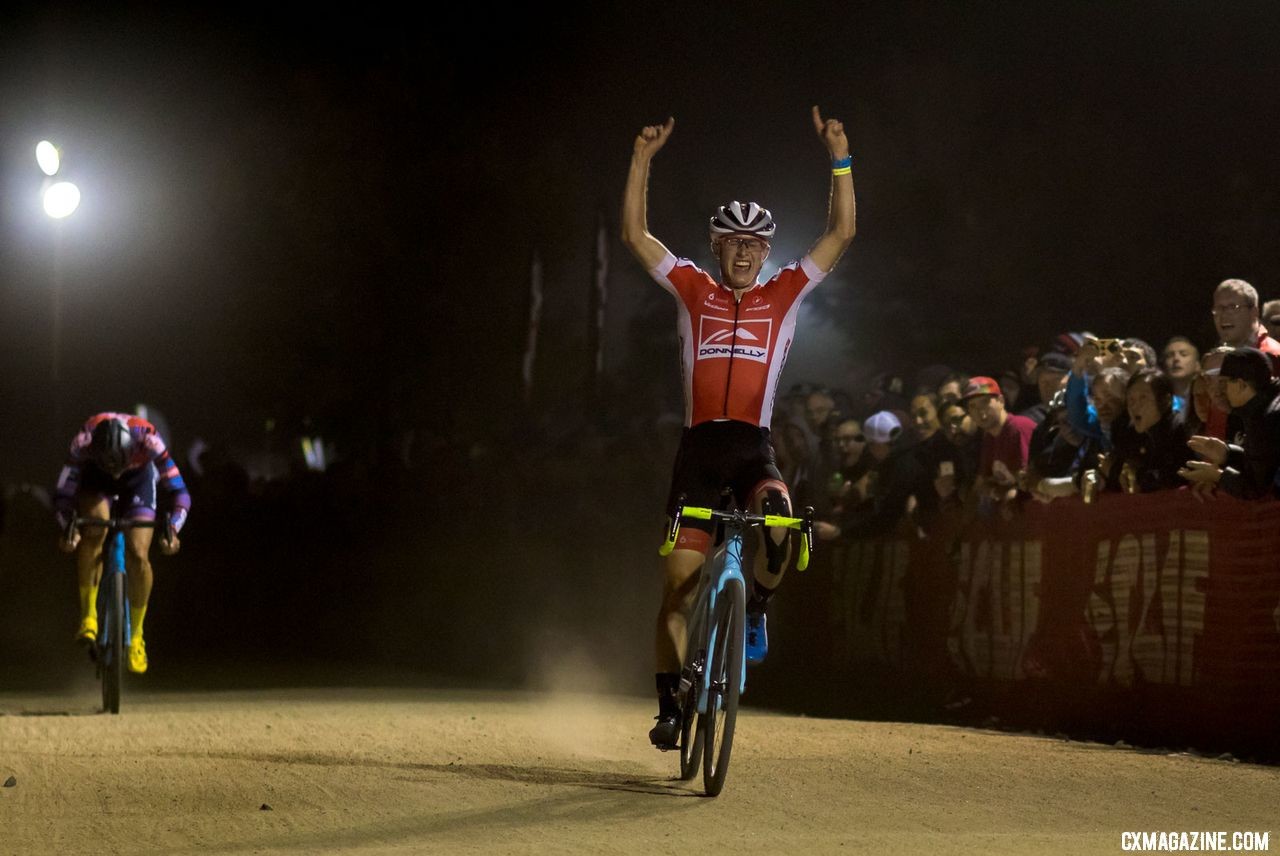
374, 771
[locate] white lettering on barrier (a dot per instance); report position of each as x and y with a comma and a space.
996, 607
870, 581
1146, 609
1147, 605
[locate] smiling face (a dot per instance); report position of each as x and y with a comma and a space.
741, 257
1235, 316
956, 424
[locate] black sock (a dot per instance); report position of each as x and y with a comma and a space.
759, 598
668, 684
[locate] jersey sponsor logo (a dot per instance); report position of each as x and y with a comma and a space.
717, 339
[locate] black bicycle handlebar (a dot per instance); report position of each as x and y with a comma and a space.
77, 522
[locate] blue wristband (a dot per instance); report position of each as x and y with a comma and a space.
844, 163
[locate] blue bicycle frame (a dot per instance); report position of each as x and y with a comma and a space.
112, 563
114, 630
727, 564
714, 673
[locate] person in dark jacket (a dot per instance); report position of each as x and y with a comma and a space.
1247, 469
854, 463
1054, 448
1101, 434
1160, 444
883, 494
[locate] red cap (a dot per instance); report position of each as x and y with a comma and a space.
980, 386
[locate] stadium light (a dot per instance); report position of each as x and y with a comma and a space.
61, 199
48, 157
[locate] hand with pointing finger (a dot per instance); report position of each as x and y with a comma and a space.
831, 131
654, 137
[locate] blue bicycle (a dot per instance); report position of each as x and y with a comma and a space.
714, 675
108, 652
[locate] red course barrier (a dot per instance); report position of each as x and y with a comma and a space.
1160, 598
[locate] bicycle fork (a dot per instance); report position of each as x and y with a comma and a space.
695, 674
112, 565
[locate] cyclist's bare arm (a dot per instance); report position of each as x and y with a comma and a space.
635, 221
841, 215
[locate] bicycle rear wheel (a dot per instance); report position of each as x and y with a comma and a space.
111, 660
690, 727
724, 669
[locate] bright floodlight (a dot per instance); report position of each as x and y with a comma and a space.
61, 199
47, 157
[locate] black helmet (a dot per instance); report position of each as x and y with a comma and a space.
111, 445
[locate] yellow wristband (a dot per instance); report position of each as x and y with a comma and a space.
844, 170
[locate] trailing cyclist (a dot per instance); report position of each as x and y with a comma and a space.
114, 466
734, 335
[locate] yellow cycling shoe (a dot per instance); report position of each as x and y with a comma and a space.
88, 631
137, 656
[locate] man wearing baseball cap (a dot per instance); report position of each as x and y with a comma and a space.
895, 476
1051, 374
1006, 439
1246, 470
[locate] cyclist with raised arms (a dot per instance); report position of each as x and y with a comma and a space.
734, 335
117, 456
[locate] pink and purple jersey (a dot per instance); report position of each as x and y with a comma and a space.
148, 448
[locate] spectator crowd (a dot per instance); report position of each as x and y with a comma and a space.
1085, 415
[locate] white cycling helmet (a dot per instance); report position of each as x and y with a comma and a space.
739, 219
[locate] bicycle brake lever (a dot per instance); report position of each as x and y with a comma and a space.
808, 528
670, 543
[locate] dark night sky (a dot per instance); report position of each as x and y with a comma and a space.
334, 217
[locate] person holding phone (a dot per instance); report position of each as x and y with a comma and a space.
1006, 441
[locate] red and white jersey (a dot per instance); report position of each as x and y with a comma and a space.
732, 352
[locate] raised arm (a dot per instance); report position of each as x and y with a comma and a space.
635, 220
841, 212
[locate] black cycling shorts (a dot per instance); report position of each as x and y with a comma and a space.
131, 496
716, 455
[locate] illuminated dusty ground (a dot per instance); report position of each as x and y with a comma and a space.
376, 771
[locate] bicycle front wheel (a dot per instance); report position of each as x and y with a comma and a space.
111, 659
690, 726
724, 665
